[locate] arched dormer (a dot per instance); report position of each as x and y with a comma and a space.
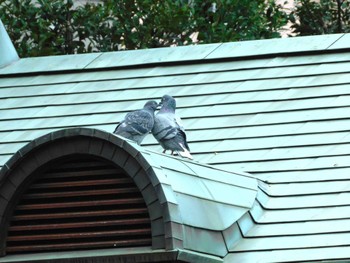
103, 160
83, 189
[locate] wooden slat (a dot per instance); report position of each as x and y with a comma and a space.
80, 193
104, 223
65, 236
111, 212
72, 246
64, 174
80, 183
80, 204
81, 164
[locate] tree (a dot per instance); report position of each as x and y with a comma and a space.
55, 27
323, 17
237, 20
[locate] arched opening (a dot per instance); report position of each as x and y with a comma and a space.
78, 202
26, 182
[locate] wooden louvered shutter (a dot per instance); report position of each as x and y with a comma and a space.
79, 203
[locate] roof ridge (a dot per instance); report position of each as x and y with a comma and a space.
179, 55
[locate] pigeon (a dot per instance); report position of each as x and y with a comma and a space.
168, 129
137, 124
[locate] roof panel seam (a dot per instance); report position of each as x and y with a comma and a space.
206, 56
335, 42
92, 60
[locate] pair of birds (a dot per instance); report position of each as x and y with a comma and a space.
165, 126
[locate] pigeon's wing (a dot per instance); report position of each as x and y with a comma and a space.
138, 122
165, 127
119, 126
183, 139
182, 132
179, 123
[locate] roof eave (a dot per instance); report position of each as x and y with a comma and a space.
169, 56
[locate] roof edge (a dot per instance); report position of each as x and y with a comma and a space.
180, 55
8, 53
98, 255
142, 254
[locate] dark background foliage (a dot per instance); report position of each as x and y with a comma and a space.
322, 17
56, 27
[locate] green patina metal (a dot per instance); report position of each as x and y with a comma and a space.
276, 109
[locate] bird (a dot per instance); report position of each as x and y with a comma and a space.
137, 124
168, 129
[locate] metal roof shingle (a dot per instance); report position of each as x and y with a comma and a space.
278, 109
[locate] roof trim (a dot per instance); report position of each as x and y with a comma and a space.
116, 255
180, 55
8, 53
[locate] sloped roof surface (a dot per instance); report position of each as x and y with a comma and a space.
277, 109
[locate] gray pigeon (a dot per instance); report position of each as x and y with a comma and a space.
168, 129
137, 124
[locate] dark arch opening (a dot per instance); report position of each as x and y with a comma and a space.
77, 202
38, 155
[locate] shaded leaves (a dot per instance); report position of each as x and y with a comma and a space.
58, 27
321, 17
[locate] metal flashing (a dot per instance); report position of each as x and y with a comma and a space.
134, 59
275, 46
8, 53
97, 256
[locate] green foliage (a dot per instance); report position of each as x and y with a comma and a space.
236, 20
323, 17
55, 27
38, 29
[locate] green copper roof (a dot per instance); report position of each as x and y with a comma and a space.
277, 110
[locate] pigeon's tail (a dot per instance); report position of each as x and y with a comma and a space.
185, 153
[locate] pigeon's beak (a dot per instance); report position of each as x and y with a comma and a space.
160, 104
